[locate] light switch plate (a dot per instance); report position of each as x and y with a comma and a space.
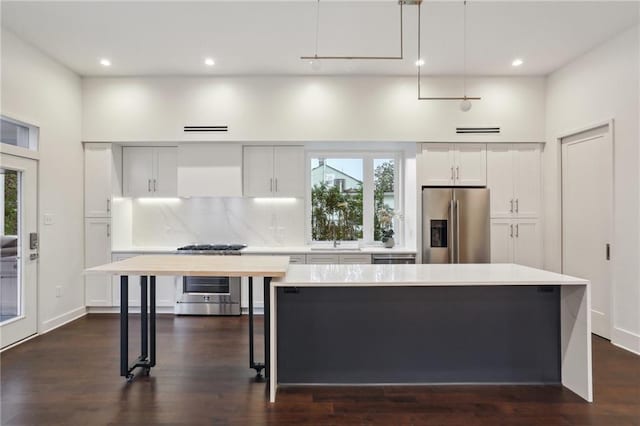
48, 219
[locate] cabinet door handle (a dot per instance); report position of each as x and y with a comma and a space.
458, 173
108, 230
511, 234
276, 184
452, 175
608, 251
517, 230
108, 205
512, 205
155, 185
148, 185
517, 205
271, 185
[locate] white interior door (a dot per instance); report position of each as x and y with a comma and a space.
587, 188
19, 267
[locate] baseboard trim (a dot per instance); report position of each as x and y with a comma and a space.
63, 319
132, 310
626, 339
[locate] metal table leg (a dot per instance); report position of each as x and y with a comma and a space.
252, 364
267, 326
147, 358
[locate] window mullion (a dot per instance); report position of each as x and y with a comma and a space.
367, 202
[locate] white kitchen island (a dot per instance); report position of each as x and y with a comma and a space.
429, 324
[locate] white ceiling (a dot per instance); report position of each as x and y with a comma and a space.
265, 37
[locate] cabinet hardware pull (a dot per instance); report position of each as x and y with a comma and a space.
276, 184
511, 234
517, 230
155, 185
517, 205
452, 175
608, 251
458, 173
512, 205
108, 205
108, 230
271, 185
148, 185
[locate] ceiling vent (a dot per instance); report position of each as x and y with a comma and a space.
477, 130
206, 128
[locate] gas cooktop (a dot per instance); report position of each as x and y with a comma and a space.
219, 249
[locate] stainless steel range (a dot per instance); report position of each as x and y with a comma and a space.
209, 295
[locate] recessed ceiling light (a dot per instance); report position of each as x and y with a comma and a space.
209, 62
105, 62
517, 62
419, 62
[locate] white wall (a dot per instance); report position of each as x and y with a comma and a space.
37, 90
358, 108
599, 86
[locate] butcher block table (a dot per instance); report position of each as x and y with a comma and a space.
150, 266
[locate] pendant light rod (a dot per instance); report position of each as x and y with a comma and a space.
334, 57
453, 98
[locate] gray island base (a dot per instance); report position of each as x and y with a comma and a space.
429, 324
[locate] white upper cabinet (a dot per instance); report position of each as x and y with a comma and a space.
166, 172
150, 171
437, 168
210, 170
274, 171
453, 165
101, 178
514, 178
288, 171
258, 171
471, 164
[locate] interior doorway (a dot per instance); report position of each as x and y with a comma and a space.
587, 212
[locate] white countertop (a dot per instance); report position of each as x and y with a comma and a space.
420, 275
277, 250
195, 265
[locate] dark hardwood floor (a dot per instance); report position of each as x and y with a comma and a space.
70, 377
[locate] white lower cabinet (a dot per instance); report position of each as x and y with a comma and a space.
516, 241
323, 259
97, 251
355, 259
165, 287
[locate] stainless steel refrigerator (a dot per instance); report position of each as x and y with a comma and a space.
455, 225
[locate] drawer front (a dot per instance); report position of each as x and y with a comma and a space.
354, 259
323, 259
300, 259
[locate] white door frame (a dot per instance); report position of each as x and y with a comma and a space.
28, 318
610, 125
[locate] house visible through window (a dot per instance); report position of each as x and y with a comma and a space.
353, 197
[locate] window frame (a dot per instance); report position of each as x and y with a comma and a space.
368, 186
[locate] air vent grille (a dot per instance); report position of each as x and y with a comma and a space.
206, 128
477, 130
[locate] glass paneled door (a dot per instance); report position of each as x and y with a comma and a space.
19, 248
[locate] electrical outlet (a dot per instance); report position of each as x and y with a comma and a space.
59, 291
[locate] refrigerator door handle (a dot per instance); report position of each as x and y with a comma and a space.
457, 231
451, 231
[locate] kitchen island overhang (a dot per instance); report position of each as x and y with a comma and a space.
429, 324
